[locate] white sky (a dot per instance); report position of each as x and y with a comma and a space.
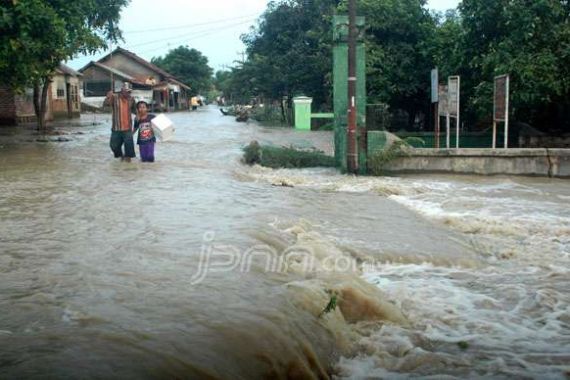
212, 27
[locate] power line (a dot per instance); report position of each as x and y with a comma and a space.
203, 34
188, 34
191, 25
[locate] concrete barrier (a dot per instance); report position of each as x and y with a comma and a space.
527, 162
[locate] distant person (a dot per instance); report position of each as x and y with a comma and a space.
194, 103
122, 127
145, 136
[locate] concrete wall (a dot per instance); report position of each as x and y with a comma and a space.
542, 141
529, 162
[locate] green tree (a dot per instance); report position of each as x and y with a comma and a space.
530, 40
219, 83
289, 52
188, 65
449, 51
447, 43
239, 83
399, 60
36, 35
221, 80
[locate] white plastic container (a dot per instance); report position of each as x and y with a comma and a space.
162, 127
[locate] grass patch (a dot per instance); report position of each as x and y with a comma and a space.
399, 148
285, 157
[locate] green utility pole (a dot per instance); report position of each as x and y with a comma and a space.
352, 148
341, 103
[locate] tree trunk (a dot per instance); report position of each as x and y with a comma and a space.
41, 87
283, 117
289, 110
43, 104
411, 119
37, 102
69, 101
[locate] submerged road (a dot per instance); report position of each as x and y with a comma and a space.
197, 266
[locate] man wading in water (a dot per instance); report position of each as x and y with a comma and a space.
122, 129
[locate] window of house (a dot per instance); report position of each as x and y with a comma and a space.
60, 89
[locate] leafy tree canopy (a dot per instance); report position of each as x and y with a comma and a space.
289, 52
189, 66
398, 37
36, 35
531, 42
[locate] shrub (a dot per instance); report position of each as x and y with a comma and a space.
285, 157
398, 148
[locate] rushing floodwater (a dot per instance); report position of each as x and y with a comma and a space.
198, 267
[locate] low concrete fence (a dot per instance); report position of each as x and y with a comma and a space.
529, 162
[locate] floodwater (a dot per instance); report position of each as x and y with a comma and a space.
199, 267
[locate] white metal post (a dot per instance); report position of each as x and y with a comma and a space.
494, 113
507, 113
458, 110
435, 102
447, 130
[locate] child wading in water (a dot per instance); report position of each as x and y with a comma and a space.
146, 138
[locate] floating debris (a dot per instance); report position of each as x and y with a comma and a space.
331, 306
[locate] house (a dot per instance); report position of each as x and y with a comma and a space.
98, 79
62, 101
65, 87
149, 82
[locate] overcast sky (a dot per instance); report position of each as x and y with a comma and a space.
212, 27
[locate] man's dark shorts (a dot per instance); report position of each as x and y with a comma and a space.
118, 138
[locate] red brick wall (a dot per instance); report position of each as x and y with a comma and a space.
7, 107
19, 108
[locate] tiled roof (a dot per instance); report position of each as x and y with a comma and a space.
145, 63
114, 71
64, 69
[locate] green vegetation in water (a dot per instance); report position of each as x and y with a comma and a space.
463, 345
378, 160
331, 306
267, 115
285, 157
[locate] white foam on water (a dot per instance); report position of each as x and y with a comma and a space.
510, 319
533, 231
486, 322
506, 218
332, 180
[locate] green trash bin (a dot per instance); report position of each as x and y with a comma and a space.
302, 105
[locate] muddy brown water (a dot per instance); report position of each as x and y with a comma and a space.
199, 267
